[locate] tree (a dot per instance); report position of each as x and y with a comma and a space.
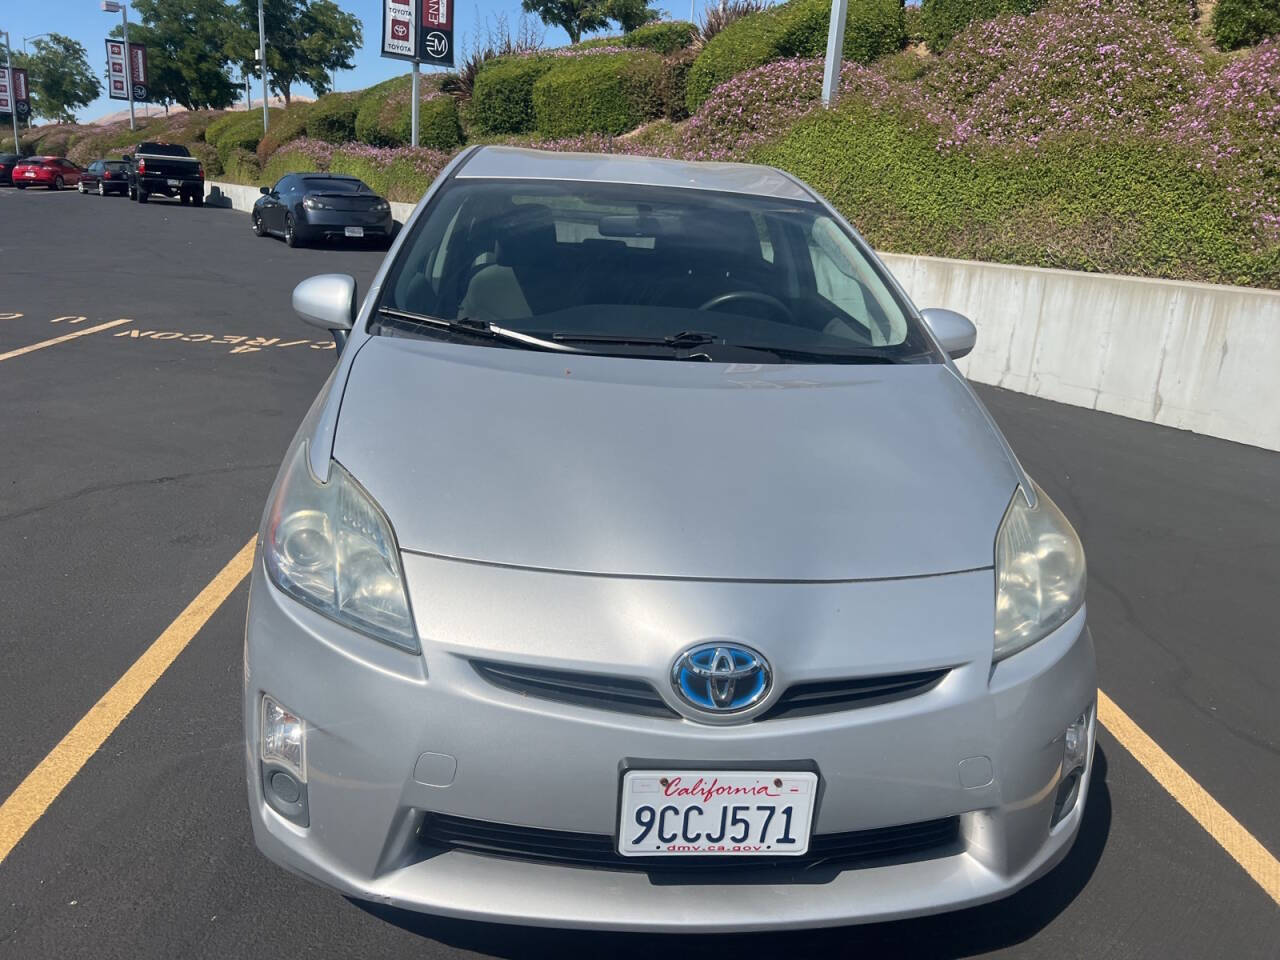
575, 16
306, 41
59, 77
187, 50
629, 14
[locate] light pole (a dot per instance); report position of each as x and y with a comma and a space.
835, 52
36, 37
111, 6
262, 58
13, 103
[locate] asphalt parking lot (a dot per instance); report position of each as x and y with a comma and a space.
135, 458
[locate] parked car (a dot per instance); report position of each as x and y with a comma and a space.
105, 177
51, 172
304, 207
167, 169
646, 563
7, 163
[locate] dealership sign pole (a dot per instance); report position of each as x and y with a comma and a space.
118, 60
8, 94
400, 42
835, 52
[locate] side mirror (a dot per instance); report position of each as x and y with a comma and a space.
954, 332
327, 301
265, 191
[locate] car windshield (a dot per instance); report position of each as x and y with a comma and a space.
648, 271
334, 185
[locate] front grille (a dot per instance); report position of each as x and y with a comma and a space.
623, 694
824, 696
629, 695
843, 850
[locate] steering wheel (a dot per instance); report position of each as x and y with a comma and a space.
753, 296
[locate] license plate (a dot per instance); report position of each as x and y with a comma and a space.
737, 813
29, 173
175, 183
355, 231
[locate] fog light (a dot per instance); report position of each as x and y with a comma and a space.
1075, 756
284, 739
1076, 750
284, 762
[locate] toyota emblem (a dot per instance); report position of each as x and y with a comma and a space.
721, 678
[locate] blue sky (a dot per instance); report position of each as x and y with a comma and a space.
83, 20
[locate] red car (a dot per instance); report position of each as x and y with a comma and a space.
52, 172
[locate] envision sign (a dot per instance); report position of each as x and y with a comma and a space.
13, 92
419, 30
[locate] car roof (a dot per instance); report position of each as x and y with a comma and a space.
521, 163
318, 175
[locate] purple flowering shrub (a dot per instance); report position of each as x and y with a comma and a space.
762, 104
1100, 68
1234, 123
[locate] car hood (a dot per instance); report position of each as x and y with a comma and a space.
674, 469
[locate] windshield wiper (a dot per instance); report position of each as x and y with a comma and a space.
696, 338
815, 356
475, 328
685, 338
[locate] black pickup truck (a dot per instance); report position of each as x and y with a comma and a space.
165, 168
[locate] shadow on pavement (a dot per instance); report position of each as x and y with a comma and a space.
962, 933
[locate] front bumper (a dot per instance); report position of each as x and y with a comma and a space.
373, 712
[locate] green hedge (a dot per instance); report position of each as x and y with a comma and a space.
1078, 204
673, 84
285, 161
502, 101
799, 28
402, 180
610, 41
1242, 23
242, 166
913, 23
208, 156
289, 125
604, 93
384, 118
237, 130
941, 20
665, 37
332, 118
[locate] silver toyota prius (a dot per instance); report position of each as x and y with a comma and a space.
646, 564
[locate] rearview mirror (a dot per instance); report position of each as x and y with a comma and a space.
954, 332
328, 302
264, 190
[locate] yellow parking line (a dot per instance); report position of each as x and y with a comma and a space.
1243, 847
66, 336
33, 796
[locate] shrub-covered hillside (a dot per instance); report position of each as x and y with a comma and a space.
1127, 136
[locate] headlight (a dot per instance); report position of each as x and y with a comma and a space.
329, 546
1039, 573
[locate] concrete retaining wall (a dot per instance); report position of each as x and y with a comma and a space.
1189, 355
